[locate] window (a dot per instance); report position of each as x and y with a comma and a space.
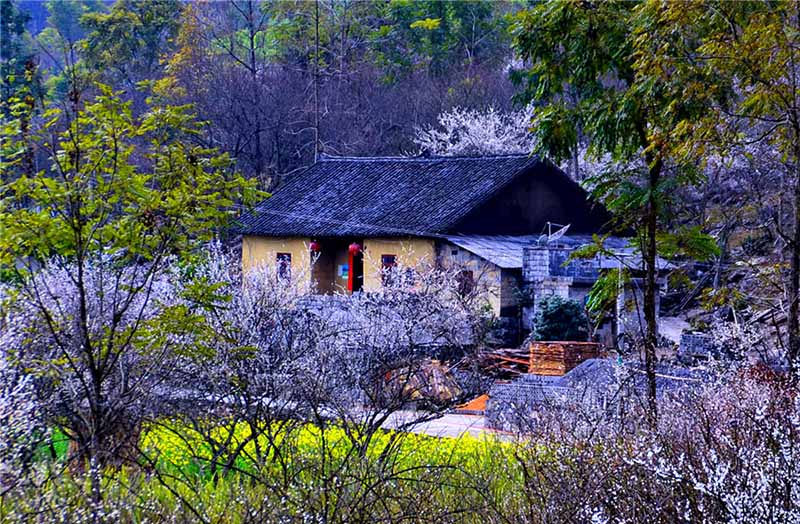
284, 265
466, 282
388, 263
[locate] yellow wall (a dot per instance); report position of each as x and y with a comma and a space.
264, 250
410, 252
496, 290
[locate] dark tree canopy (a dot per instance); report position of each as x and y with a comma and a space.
559, 318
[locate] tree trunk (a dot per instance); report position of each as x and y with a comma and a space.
794, 275
253, 62
651, 291
316, 80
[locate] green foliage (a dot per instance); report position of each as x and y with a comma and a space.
310, 472
589, 85
736, 59
713, 299
64, 24
739, 61
131, 37
180, 448
558, 318
61, 44
429, 24
268, 31
16, 52
602, 298
591, 250
679, 280
134, 189
586, 82
689, 242
435, 34
583, 80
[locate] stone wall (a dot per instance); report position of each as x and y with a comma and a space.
539, 281
535, 263
511, 403
561, 265
697, 346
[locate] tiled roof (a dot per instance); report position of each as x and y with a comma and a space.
503, 251
387, 196
506, 251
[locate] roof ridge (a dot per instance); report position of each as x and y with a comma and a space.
422, 158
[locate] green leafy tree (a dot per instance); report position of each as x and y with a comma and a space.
437, 35
17, 56
235, 46
560, 318
128, 42
583, 78
742, 61
118, 200
19, 77
60, 45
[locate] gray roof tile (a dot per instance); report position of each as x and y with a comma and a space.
387, 196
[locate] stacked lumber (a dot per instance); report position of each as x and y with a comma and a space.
558, 358
505, 362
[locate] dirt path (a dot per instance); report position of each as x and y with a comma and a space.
452, 425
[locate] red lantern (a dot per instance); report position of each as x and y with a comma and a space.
314, 247
354, 249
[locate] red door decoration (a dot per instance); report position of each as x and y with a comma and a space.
354, 252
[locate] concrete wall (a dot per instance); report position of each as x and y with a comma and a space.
264, 250
410, 252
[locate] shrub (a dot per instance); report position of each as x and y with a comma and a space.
559, 318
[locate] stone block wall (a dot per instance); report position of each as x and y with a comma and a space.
511, 403
535, 263
697, 346
561, 265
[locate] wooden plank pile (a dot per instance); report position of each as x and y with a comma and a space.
558, 358
505, 362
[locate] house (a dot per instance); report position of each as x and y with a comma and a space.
357, 215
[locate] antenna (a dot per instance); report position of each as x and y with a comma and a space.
558, 234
